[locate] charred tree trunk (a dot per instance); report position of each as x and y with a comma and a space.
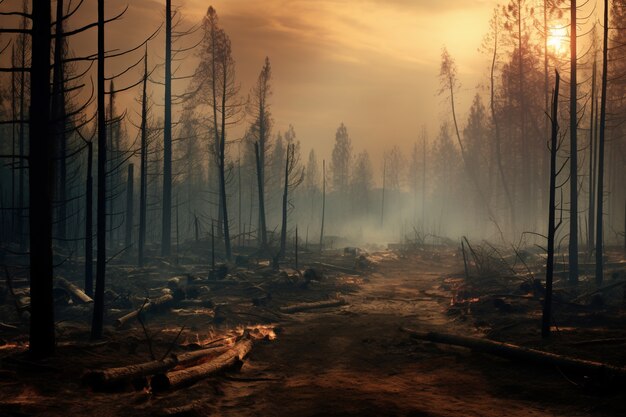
89, 223
41, 183
98, 310
129, 206
600, 188
22, 141
261, 192
167, 137
283, 229
143, 174
547, 305
59, 125
573, 220
222, 167
382, 206
592, 166
323, 204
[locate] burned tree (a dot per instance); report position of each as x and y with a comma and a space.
294, 175
167, 137
216, 88
41, 183
552, 227
259, 108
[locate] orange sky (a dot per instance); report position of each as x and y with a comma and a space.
371, 64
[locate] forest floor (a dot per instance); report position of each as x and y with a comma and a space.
351, 360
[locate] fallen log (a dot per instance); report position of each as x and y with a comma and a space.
111, 378
185, 359
74, 290
157, 302
313, 306
338, 268
115, 378
510, 351
176, 379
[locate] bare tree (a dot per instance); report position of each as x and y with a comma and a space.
41, 180
600, 187
294, 175
167, 137
573, 159
259, 108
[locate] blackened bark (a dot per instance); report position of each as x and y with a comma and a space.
600, 188
547, 305
259, 175
98, 309
129, 206
41, 183
283, 229
167, 137
89, 223
143, 174
573, 218
59, 125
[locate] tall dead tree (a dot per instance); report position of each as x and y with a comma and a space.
89, 222
600, 187
547, 304
41, 183
261, 192
592, 164
143, 173
294, 175
260, 109
573, 171
167, 137
98, 309
323, 204
216, 87
59, 124
128, 239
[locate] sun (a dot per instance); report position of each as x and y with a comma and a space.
557, 38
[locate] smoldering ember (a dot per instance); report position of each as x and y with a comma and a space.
313, 208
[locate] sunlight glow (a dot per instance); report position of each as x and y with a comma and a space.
557, 40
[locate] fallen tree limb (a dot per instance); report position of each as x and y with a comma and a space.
159, 301
74, 290
515, 352
599, 290
176, 379
312, 306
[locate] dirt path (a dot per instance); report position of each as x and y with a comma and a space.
355, 361
348, 361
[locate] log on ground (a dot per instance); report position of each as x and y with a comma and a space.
515, 352
313, 306
157, 302
115, 378
76, 292
177, 379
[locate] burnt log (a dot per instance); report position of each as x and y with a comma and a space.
157, 302
514, 352
176, 379
76, 292
117, 378
312, 306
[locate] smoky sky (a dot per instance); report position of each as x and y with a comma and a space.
371, 64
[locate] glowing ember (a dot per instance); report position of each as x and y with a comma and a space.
260, 332
14, 345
